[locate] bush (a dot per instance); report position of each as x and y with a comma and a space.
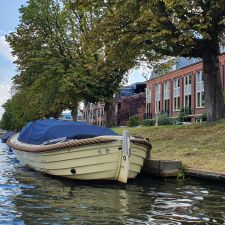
184, 115
148, 122
133, 121
204, 117
163, 119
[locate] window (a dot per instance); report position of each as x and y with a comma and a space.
167, 106
176, 94
166, 97
200, 98
187, 101
187, 92
166, 90
176, 104
148, 102
157, 98
187, 84
148, 95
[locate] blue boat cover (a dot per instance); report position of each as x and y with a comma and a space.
6, 136
43, 131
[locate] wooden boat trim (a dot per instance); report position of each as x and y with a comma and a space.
72, 143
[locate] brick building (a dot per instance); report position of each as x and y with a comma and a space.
94, 113
182, 88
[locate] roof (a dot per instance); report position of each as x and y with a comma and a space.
180, 69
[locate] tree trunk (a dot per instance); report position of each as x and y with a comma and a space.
109, 114
74, 113
214, 102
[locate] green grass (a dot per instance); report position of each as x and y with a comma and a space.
198, 146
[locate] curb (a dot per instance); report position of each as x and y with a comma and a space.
204, 175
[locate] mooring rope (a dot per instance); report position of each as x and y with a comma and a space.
72, 143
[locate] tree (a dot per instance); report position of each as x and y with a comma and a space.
45, 59
130, 106
188, 28
58, 65
6, 122
15, 116
108, 68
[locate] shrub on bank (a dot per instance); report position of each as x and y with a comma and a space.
133, 121
184, 115
148, 122
163, 119
204, 117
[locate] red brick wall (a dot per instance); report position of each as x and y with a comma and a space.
192, 69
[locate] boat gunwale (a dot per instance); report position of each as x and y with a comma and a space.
72, 143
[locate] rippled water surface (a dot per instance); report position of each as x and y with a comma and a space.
28, 197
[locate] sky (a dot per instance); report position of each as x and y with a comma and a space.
9, 20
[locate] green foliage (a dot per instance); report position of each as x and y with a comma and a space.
184, 115
157, 28
163, 67
43, 63
17, 112
204, 117
148, 122
181, 176
133, 121
176, 27
6, 122
163, 119
58, 62
71, 51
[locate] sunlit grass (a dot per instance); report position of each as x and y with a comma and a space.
199, 146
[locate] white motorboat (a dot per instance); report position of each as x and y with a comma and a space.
103, 157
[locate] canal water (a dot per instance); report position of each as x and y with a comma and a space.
28, 197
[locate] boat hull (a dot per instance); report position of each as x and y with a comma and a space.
100, 161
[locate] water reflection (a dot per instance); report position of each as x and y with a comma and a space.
28, 197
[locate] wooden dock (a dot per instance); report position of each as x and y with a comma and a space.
162, 168
170, 168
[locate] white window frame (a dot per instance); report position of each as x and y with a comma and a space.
157, 98
148, 95
167, 90
148, 100
199, 89
166, 94
176, 104
176, 94
187, 87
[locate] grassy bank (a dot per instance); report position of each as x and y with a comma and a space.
198, 146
